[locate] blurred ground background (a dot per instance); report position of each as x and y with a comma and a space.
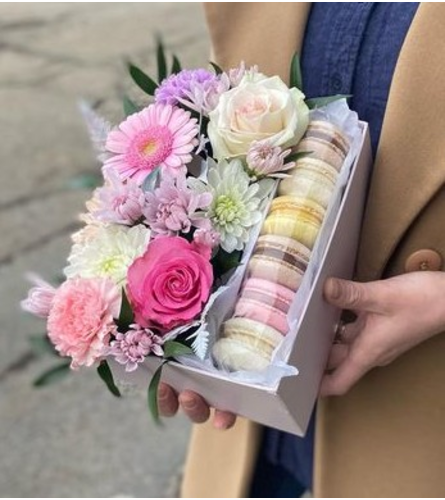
73, 438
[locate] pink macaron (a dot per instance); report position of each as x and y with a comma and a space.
279, 259
266, 302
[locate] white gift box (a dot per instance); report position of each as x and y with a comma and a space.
287, 404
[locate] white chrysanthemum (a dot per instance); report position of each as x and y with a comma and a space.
235, 208
109, 253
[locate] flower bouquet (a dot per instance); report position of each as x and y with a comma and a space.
187, 182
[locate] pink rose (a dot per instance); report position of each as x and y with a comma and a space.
169, 284
81, 322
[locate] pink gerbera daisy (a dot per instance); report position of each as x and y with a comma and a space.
158, 136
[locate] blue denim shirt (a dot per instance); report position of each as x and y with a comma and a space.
349, 48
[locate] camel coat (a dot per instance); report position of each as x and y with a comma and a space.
386, 437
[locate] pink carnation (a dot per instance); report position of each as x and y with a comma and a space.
40, 297
170, 284
81, 319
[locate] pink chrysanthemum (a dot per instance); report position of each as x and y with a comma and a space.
158, 136
118, 202
173, 207
40, 297
237, 74
266, 160
207, 239
132, 347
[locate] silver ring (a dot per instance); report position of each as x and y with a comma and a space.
340, 333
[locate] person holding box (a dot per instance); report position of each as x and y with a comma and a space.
379, 423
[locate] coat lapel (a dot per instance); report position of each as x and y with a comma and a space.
267, 34
410, 162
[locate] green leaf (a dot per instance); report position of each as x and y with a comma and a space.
319, 102
296, 78
224, 262
176, 66
297, 156
151, 182
41, 344
172, 349
126, 314
52, 375
85, 181
152, 393
217, 69
162, 63
107, 376
129, 106
142, 80
59, 278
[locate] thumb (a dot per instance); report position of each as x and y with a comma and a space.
352, 295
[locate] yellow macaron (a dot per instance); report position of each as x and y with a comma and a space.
297, 218
312, 179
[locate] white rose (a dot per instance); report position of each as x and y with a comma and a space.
257, 110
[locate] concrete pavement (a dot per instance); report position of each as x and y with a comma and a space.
74, 438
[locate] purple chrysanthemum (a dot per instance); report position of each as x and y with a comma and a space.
178, 86
198, 89
132, 347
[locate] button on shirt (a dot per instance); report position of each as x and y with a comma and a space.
352, 48
349, 48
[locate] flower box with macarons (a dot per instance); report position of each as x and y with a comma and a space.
226, 199
275, 332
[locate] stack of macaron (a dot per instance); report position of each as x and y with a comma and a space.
314, 176
259, 323
282, 252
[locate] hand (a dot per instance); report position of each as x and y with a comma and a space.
393, 315
193, 405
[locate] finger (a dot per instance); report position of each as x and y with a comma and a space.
353, 295
338, 354
167, 400
343, 378
194, 406
223, 419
